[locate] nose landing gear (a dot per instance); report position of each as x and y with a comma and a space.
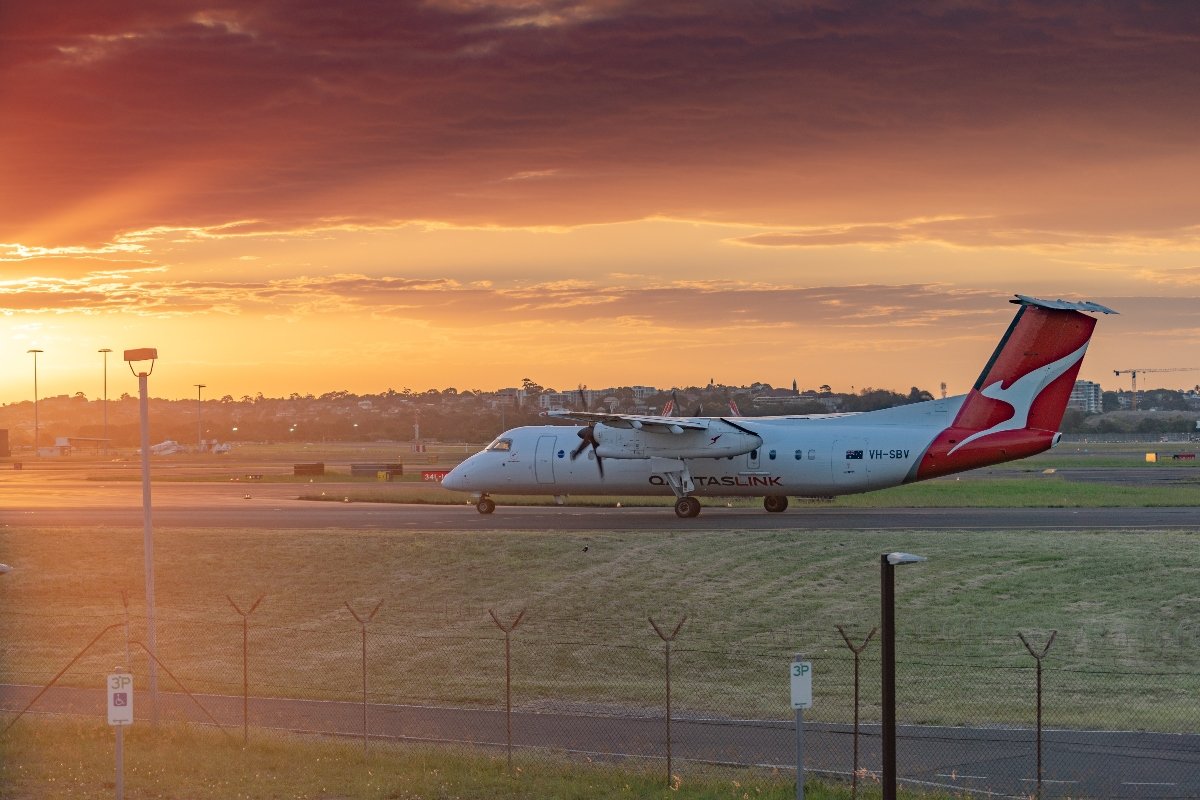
485, 505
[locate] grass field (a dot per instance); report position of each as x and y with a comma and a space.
57, 759
1126, 606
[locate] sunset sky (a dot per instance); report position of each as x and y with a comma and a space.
313, 196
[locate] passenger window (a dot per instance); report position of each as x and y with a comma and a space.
754, 454
771, 455
799, 454
812, 455
500, 445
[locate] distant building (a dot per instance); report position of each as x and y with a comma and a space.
1087, 397
556, 401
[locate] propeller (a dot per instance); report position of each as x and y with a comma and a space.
588, 436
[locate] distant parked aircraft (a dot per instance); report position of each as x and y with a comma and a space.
165, 448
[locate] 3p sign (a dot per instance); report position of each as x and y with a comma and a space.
120, 699
801, 672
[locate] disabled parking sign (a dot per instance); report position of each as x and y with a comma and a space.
120, 698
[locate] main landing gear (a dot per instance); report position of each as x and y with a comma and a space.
686, 507
775, 503
485, 505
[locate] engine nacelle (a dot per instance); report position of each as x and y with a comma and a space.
719, 441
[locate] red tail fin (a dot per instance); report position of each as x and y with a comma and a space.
1017, 404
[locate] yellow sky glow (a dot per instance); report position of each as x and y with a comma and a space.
470, 193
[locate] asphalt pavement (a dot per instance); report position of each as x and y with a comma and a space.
992, 761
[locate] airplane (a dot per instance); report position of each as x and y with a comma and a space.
1013, 411
167, 447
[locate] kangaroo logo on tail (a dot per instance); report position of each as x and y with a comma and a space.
1021, 395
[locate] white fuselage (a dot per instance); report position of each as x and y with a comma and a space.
804, 456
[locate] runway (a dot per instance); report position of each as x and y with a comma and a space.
269, 506
53, 496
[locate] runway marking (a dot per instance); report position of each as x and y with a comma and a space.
955, 776
1044, 780
1146, 783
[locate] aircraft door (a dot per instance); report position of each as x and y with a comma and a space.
850, 464
543, 461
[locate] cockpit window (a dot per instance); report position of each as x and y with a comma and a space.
500, 445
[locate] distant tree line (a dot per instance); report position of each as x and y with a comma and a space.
478, 416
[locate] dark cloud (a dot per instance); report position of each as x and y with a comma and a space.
779, 112
698, 305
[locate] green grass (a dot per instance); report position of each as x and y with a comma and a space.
56, 759
1125, 604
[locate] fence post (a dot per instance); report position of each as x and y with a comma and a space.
245, 664
125, 603
667, 648
508, 677
363, 624
1038, 658
857, 652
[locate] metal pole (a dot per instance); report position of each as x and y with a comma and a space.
799, 743
667, 639
245, 663
363, 624
887, 607
199, 429
120, 780
857, 652
364, 685
245, 679
148, 543
670, 773
105, 351
1037, 657
125, 603
507, 677
36, 428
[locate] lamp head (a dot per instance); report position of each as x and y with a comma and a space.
141, 354
896, 559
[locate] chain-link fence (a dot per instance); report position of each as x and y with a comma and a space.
1113, 715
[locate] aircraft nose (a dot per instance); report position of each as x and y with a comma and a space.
455, 480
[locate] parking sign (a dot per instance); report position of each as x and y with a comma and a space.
801, 672
120, 699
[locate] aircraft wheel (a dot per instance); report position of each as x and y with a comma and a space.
486, 505
686, 507
775, 503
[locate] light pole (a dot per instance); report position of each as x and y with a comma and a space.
887, 607
37, 445
131, 356
105, 351
199, 431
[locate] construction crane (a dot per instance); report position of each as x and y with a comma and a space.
1133, 373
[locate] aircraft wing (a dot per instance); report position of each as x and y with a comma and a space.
636, 421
